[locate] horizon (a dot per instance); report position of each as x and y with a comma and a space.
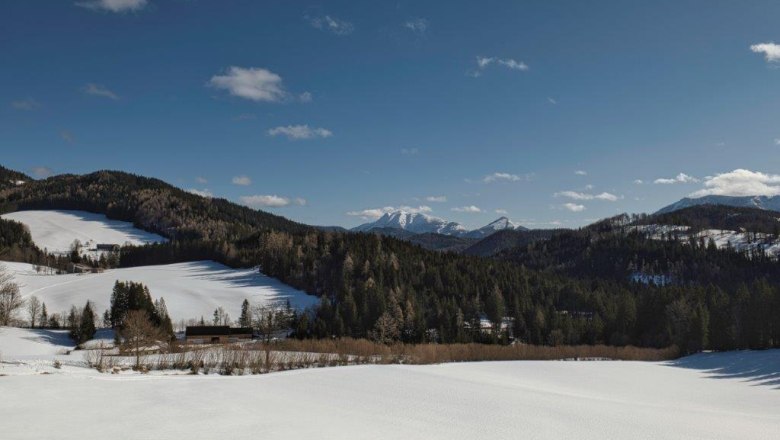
552, 115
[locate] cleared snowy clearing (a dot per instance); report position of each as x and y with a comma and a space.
191, 290
714, 396
56, 230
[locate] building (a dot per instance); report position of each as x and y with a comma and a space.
82, 268
216, 334
107, 247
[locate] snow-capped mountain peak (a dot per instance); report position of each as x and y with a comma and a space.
760, 202
420, 223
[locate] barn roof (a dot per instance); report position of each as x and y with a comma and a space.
216, 330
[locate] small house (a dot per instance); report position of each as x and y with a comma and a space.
107, 247
216, 334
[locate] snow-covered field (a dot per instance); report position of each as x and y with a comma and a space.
56, 230
723, 238
191, 290
707, 396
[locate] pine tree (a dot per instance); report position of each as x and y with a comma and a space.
245, 320
86, 329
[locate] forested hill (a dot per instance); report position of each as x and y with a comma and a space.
572, 288
150, 204
11, 178
720, 217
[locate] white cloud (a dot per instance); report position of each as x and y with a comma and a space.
300, 201
99, 90
495, 177
25, 104
573, 207
574, 195
777, 141
113, 5
41, 172
410, 151
201, 192
484, 62
375, 213
680, 178
501, 211
416, 25
201, 180
638, 182
471, 209
740, 182
242, 181
305, 97
581, 173
267, 201
300, 132
436, 199
331, 24
253, 83
770, 50
552, 101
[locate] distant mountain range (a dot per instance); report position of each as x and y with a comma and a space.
403, 223
760, 202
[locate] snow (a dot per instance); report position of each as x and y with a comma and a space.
191, 290
56, 230
714, 396
723, 238
415, 222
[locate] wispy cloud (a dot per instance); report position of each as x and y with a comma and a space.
300, 132
99, 90
417, 25
410, 151
505, 177
509, 63
680, 178
242, 181
501, 211
436, 199
305, 97
375, 213
113, 5
201, 192
574, 195
638, 181
573, 207
253, 83
27, 104
471, 209
270, 201
777, 141
552, 101
770, 50
331, 24
201, 180
581, 173
740, 182
41, 172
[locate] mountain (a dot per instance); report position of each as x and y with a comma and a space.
760, 202
418, 223
414, 222
502, 224
11, 178
507, 239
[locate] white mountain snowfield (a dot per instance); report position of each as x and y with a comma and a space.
55, 231
732, 395
723, 238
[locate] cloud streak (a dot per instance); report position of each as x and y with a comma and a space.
113, 5
99, 90
241, 181
270, 201
680, 178
300, 132
331, 24
574, 195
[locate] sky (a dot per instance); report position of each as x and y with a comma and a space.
553, 113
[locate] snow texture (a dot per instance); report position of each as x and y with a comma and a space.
714, 396
191, 290
55, 231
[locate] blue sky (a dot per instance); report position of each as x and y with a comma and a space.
549, 112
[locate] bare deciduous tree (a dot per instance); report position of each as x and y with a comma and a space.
33, 310
10, 297
139, 334
270, 321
